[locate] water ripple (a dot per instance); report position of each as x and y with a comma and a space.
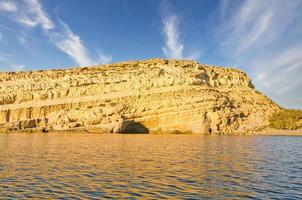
90, 166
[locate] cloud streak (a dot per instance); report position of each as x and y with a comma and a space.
173, 47
255, 24
258, 34
7, 6
173, 44
8, 60
31, 14
35, 15
72, 45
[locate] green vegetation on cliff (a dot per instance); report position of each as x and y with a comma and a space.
286, 119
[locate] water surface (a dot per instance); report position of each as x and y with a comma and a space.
92, 166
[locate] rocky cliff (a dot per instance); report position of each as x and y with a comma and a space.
153, 95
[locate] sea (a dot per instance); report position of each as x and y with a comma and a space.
149, 166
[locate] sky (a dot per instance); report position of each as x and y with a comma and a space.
261, 37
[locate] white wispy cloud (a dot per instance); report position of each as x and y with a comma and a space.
223, 7
22, 40
35, 15
104, 58
259, 35
72, 45
255, 24
17, 67
27, 12
10, 63
173, 44
173, 47
30, 13
8, 6
274, 73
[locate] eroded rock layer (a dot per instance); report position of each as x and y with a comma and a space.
139, 96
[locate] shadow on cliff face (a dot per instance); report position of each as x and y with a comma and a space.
131, 127
203, 77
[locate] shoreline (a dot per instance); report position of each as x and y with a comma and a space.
297, 132
272, 132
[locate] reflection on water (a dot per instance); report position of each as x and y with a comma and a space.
149, 166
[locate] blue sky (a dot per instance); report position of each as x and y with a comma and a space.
263, 38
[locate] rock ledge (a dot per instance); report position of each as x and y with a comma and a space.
153, 95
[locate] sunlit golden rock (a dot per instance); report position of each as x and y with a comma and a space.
160, 95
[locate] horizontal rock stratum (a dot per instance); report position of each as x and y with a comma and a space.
153, 95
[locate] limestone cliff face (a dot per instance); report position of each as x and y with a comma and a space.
139, 96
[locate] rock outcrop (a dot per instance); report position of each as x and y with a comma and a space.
153, 95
